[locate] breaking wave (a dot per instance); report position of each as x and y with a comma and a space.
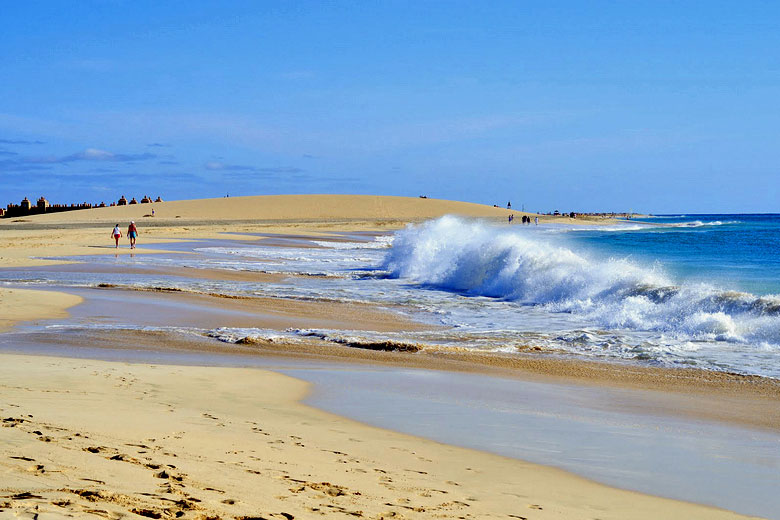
699, 223
475, 259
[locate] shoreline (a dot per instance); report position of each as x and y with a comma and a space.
689, 394
24, 305
311, 460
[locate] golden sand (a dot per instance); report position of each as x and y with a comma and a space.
293, 208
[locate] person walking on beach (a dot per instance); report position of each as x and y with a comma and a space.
536, 220
132, 233
116, 233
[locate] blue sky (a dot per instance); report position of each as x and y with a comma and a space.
644, 106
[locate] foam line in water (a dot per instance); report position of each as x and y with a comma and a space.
476, 259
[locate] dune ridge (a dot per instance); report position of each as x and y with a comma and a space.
279, 207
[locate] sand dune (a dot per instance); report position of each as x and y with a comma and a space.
281, 207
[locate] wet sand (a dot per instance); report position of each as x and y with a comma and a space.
24, 305
166, 307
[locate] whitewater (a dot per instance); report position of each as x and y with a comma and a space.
697, 291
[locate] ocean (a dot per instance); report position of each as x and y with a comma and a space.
699, 291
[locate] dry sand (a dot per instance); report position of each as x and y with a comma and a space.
114, 440
291, 208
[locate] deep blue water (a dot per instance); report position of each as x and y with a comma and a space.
732, 251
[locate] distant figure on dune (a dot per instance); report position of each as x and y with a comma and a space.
132, 233
116, 233
536, 220
509, 205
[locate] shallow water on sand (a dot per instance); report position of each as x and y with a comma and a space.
578, 429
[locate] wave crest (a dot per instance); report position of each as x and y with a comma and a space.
475, 259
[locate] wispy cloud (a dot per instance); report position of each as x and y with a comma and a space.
90, 64
158, 145
280, 169
14, 165
7, 152
105, 177
94, 154
220, 166
90, 154
20, 141
297, 74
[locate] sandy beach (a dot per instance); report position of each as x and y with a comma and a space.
114, 439
25, 305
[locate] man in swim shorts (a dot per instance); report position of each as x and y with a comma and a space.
132, 233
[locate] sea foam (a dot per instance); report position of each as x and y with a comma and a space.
519, 265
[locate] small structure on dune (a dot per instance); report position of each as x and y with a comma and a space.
133, 201
146, 199
158, 199
43, 204
26, 205
122, 201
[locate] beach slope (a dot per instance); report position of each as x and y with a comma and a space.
117, 440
